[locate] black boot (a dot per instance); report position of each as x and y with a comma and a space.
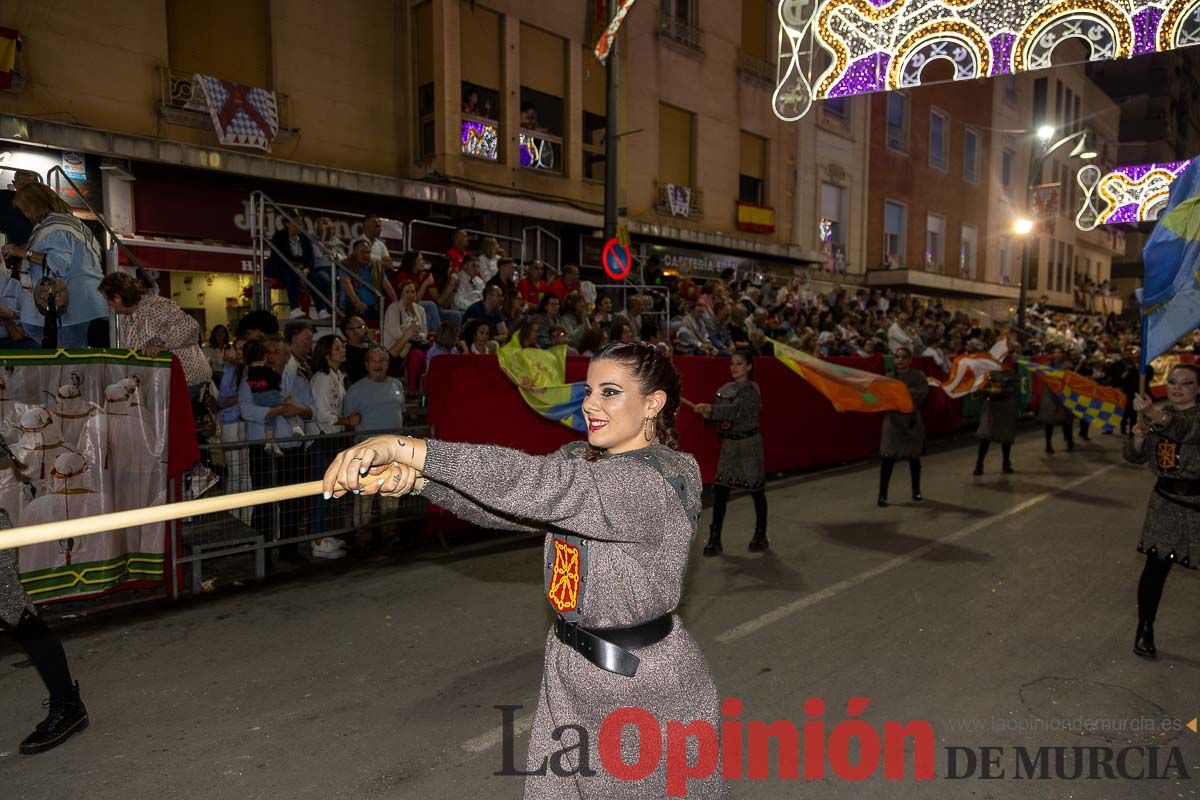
67, 717
1143, 641
885, 478
914, 468
759, 542
1007, 469
713, 547
978, 468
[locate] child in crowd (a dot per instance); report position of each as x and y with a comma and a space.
266, 385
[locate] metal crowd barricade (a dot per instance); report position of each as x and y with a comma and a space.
620, 293
415, 225
261, 530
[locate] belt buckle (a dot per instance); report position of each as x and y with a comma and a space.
568, 632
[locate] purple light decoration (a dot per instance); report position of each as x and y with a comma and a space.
1002, 44
473, 129
868, 74
1125, 213
1138, 171
1145, 30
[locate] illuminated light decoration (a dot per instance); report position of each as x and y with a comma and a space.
1128, 194
536, 153
480, 139
863, 46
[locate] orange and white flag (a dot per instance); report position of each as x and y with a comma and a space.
970, 372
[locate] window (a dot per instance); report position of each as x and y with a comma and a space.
939, 135
1040, 94
479, 48
1006, 260
1006, 171
1058, 105
595, 111
834, 212
753, 175
1072, 267
970, 156
543, 77
935, 242
230, 41
1010, 88
676, 130
897, 121
968, 252
680, 20
754, 29
1060, 283
423, 58
894, 215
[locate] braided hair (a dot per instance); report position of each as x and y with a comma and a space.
653, 371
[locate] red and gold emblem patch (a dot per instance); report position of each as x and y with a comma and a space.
564, 578
1167, 455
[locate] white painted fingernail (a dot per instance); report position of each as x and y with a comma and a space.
327, 495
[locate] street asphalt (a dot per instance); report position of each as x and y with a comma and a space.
1001, 610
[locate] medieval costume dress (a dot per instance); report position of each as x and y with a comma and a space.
1053, 414
618, 529
1171, 532
903, 436
735, 412
998, 419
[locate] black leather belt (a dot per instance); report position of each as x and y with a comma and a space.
1189, 489
742, 435
608, 648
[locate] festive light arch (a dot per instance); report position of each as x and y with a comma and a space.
862, 46
1129, 194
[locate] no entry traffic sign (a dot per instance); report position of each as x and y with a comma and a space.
617, 261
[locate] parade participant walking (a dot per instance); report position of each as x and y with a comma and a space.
735, 414
903, 435
1169, 440
67, 714
1051, 412
998, 420
619, 513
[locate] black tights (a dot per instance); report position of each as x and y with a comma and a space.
885, 475
721, 499
1068, 430
47, 654
1005, 450
1150, 587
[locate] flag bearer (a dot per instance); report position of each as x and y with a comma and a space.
903, 435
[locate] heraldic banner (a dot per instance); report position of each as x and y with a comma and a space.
90, 431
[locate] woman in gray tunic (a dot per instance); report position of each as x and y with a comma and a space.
1169, 440
619, 514
998, 421
67, 715
1051, 412
735, 412
903, 435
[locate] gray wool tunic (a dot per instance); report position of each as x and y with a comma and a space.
13, 600
1172, 526
998, 420
735, 411
903, 435
617, 540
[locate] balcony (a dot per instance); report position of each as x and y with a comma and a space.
756, 70
480, 137
541, 151
691, 208
681, 31
179, 103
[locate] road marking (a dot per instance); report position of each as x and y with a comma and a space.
788, 609
495, 736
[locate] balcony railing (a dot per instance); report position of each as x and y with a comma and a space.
540, 151
681, 31
180, 103
755, 68
693, 209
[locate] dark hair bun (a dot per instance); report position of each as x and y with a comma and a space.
653, 370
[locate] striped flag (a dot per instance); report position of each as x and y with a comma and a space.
970, 371
604, 44
1098, 406
848, 389
540, 377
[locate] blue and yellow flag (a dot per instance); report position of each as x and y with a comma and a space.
1170, 300
540, 377
1099, 406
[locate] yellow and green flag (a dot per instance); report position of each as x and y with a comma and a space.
848, 389
540, 377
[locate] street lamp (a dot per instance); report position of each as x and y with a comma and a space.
1038, 153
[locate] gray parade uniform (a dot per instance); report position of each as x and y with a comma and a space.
13, 600
735, 412
998, 421
618, 532
1172, 527
903, 435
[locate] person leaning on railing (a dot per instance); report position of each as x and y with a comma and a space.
157, 324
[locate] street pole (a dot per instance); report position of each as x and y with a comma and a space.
611, 139
1031, 240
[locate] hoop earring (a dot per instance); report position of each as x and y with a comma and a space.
648, 429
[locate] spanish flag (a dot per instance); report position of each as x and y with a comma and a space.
848, 389
540, 377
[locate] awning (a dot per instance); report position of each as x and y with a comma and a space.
179, 255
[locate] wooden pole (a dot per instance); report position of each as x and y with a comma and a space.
136, 517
